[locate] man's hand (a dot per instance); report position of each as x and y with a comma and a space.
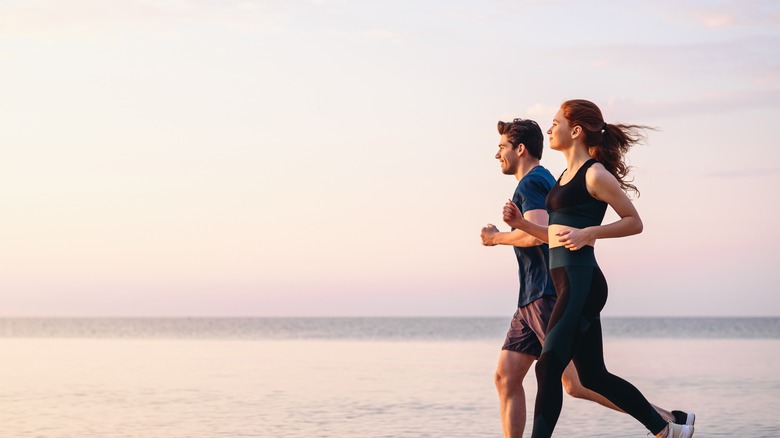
488, 235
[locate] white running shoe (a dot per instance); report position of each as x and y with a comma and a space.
681, 417
677, 431
680, 431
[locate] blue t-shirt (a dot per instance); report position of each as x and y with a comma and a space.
533, 262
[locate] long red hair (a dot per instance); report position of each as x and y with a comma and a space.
606, 142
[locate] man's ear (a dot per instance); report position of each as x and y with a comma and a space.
520, 149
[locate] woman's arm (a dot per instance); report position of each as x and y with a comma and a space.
535, 222
602, 185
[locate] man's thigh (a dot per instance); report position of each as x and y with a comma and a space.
514, 364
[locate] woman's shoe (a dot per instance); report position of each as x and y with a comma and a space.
687, 418
675, 430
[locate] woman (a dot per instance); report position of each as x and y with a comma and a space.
595, 177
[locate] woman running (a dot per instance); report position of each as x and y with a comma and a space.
594, 178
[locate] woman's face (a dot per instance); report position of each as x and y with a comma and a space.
559, 132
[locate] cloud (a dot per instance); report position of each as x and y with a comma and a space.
717, 20
714, 103
384, 34
747, 14
49, 19
731, 66
745, 173
468, 16
541, 112
635, 110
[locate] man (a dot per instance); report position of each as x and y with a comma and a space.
519, 151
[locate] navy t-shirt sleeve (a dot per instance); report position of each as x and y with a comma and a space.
533, 193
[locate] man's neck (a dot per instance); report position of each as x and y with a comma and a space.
525, 167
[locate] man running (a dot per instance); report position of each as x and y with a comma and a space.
519, 151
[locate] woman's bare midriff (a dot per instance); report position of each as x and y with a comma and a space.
554, 229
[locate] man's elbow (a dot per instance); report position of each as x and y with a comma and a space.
532, 241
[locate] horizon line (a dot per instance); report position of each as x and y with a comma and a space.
351, 316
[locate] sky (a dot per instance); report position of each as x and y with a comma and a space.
336, 157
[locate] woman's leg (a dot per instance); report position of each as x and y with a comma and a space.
563, 333
573, 387
589, 360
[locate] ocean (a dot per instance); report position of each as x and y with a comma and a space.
358, 377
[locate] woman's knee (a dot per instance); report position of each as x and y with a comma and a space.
547, 369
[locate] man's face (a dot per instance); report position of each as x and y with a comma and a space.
508, 156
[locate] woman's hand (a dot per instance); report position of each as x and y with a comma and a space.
574, 238
512, 215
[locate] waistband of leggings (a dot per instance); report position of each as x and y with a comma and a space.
562, 256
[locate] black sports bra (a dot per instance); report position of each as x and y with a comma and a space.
571, 204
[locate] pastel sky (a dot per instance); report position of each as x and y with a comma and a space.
336, 158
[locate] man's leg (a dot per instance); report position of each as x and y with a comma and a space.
510, 372
571, 382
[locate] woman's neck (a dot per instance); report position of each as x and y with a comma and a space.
576, 156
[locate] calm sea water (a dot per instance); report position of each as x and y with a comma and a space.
358, 377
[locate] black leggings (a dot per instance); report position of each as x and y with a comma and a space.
574, 333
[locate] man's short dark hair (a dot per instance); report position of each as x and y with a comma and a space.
523, 131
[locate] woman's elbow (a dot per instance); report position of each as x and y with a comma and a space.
638, 226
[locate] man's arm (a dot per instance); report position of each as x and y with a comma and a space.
491, 236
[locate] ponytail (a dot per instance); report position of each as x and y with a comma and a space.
607, 143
